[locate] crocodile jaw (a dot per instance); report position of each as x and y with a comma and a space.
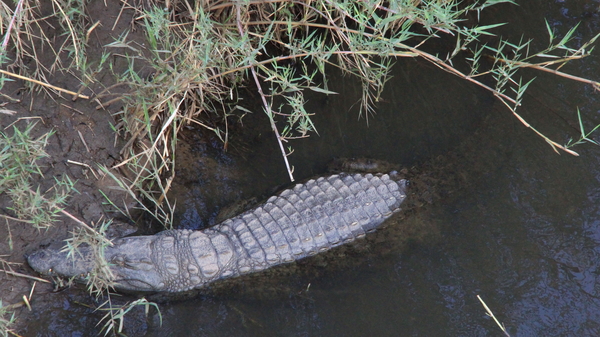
127, 258
52, 262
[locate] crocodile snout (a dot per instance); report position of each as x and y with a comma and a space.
41, 261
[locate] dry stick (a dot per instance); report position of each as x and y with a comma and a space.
31, 291
84, 165
106, 91
235, 3
557, 72
10, 25
43, 84
273, 126
86, 226
71, 29
81, 89
120, 13
107, 103
83, 141
264, 100
8, 217
25, 276
15, 305
89, 31
548, 140
491, 314
71, 108
14, 333
166, 189
442, 65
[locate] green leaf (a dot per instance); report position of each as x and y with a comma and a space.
323, 91
548, 56
483, 30
550, 33
567, 37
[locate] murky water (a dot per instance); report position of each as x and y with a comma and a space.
523, 232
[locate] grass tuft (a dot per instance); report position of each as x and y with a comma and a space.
101, 278
6, 320
114, 320
19, 157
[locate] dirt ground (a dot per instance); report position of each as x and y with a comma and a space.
83, 139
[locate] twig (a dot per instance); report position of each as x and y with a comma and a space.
87, 227
442, 65
264, 100
71, 30
491, 314
83, 141
25, 276
8, 217
14, 333
43, 84
107, 103
10, 25
32, 289
553, 71
527, 125
71, 108
20, 119
84, 165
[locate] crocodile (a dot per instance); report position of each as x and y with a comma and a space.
298, 222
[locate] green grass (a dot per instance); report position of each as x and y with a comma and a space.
114, 320
6, 320
202, 59
101, 278
20, 154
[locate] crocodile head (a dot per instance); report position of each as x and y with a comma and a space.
131, 265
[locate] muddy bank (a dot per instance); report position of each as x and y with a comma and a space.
84, 138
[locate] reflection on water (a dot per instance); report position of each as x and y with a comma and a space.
523, 232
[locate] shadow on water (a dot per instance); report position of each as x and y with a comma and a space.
420, 117
522, 231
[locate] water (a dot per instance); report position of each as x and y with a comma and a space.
523, 233
523, 230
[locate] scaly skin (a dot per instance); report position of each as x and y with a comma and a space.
302, 221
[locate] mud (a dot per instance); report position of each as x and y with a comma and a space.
83, 139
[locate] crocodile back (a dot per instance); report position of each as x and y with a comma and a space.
312, 217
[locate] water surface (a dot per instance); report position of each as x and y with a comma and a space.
522, 231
